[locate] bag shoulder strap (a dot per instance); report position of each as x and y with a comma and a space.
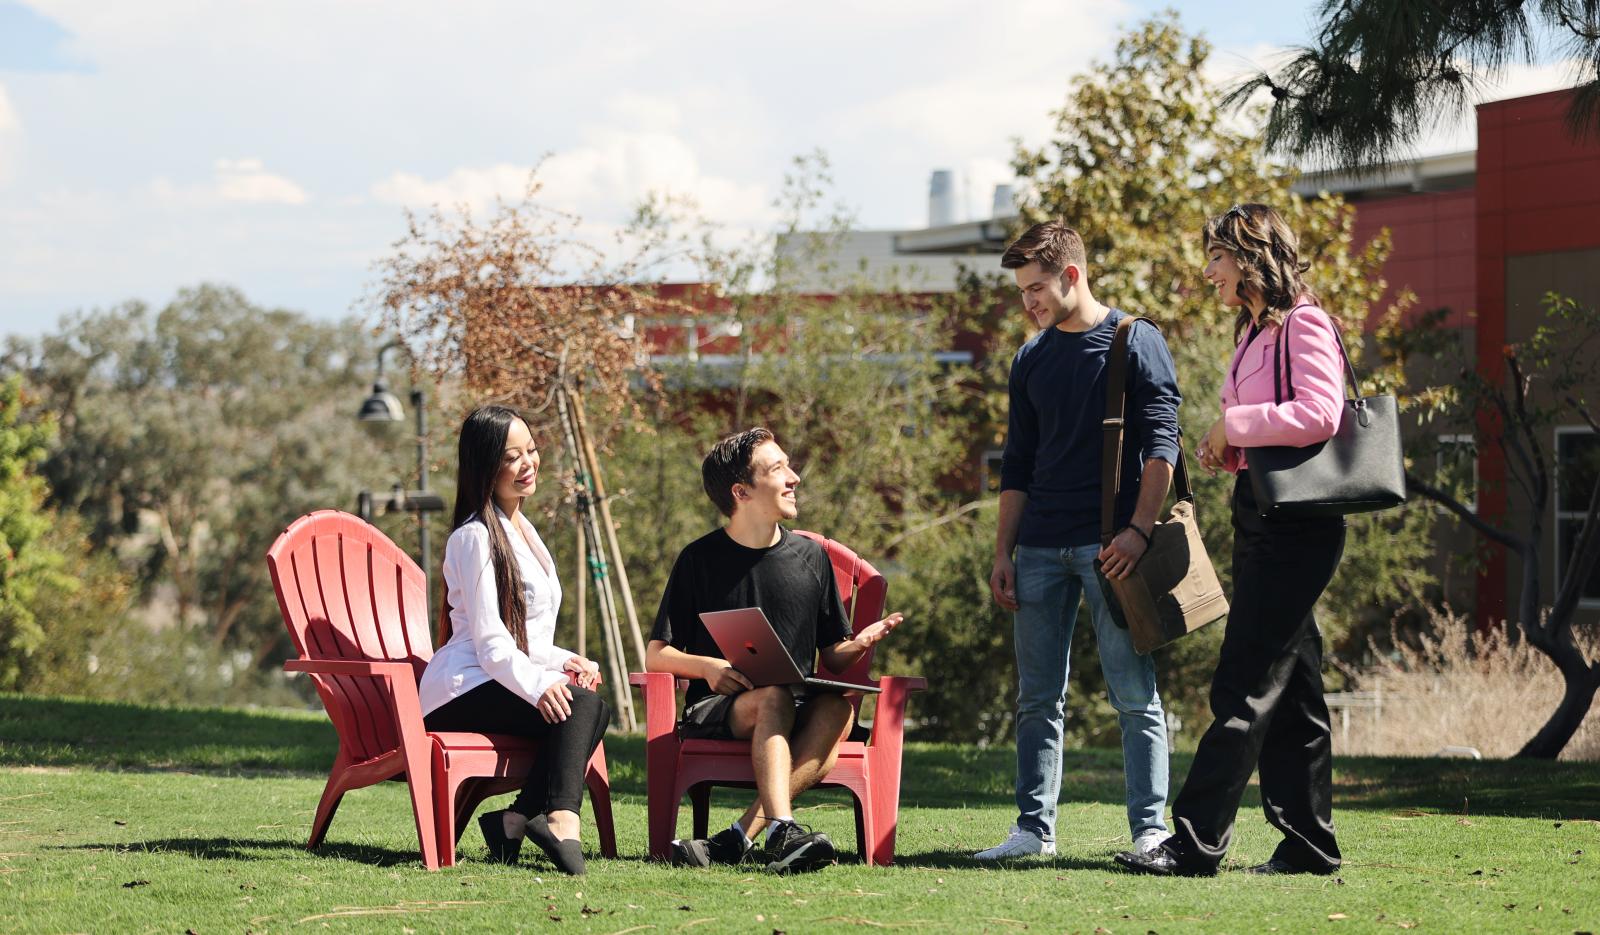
1287, 378
1112, 428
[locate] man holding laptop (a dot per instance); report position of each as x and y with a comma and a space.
752, 563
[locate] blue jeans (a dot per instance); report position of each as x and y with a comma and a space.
1049, 584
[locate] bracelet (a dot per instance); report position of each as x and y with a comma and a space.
1141, 533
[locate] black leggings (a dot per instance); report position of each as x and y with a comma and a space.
1266, 698
556, 781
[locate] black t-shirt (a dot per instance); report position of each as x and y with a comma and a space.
792, 583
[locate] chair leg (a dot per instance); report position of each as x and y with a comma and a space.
861, 829
467, 799
331, 794
598, 779
420, 767
700, 796
868, 826
454, 806
663, 819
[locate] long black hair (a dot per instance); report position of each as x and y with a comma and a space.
479, 452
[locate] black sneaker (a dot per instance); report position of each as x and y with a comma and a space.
728, 846
793, 848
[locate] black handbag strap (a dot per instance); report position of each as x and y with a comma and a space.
1288, 366
1112, 431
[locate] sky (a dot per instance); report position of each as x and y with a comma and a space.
275, 146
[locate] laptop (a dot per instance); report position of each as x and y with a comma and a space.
747, 640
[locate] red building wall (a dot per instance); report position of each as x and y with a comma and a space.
1433, 250
1538, 191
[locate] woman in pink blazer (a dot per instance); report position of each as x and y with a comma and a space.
1266, 695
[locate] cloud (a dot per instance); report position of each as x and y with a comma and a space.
9, 121
475, 188
601, 180
33, 42
247, 180
237, 181
10, 138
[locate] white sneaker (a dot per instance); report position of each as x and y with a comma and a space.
1148, 841
1018, 843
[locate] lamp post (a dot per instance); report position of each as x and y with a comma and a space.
380, 408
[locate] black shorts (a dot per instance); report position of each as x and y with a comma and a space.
707, 719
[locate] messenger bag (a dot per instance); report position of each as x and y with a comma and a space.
1173, 589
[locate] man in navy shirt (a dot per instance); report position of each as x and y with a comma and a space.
1050, 518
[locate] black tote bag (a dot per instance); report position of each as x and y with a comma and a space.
1359, 470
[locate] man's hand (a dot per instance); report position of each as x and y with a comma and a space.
556, 703
1003, 582
869, 635
724, 679
1118, 559
584, 673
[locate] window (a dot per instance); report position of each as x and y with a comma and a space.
989, 470
1577, 466
1456, 469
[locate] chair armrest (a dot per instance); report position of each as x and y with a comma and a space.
911, 683
401, 679
660, 701
370, 667
888, 720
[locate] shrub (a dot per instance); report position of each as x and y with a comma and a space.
1454, 686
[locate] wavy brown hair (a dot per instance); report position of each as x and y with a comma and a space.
478, 455
1268, 254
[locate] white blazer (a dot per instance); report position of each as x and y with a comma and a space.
480, 646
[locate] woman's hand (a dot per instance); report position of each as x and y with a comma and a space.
1212, 447
584, 673
556, 703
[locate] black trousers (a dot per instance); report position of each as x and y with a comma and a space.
556, 781
1266, 698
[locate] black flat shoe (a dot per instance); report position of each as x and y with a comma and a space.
1277, 866
566, 855
502, 850
1158, 862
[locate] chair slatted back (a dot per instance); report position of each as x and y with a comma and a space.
347, 592
864, 592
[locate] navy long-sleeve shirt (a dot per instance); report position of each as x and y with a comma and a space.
1053, 442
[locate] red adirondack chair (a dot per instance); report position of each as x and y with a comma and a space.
354, 605
869, 770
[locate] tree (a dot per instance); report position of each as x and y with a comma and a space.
515, 305
1140, 155
1542, 385
1379, 74
93, 646
28, 565
190, 437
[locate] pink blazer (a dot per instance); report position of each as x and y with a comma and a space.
1250, 416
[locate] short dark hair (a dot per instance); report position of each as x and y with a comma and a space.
729, 464
1053, 245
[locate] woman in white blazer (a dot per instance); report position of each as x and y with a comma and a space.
498, 670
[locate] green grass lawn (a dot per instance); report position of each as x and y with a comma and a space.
118, 818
